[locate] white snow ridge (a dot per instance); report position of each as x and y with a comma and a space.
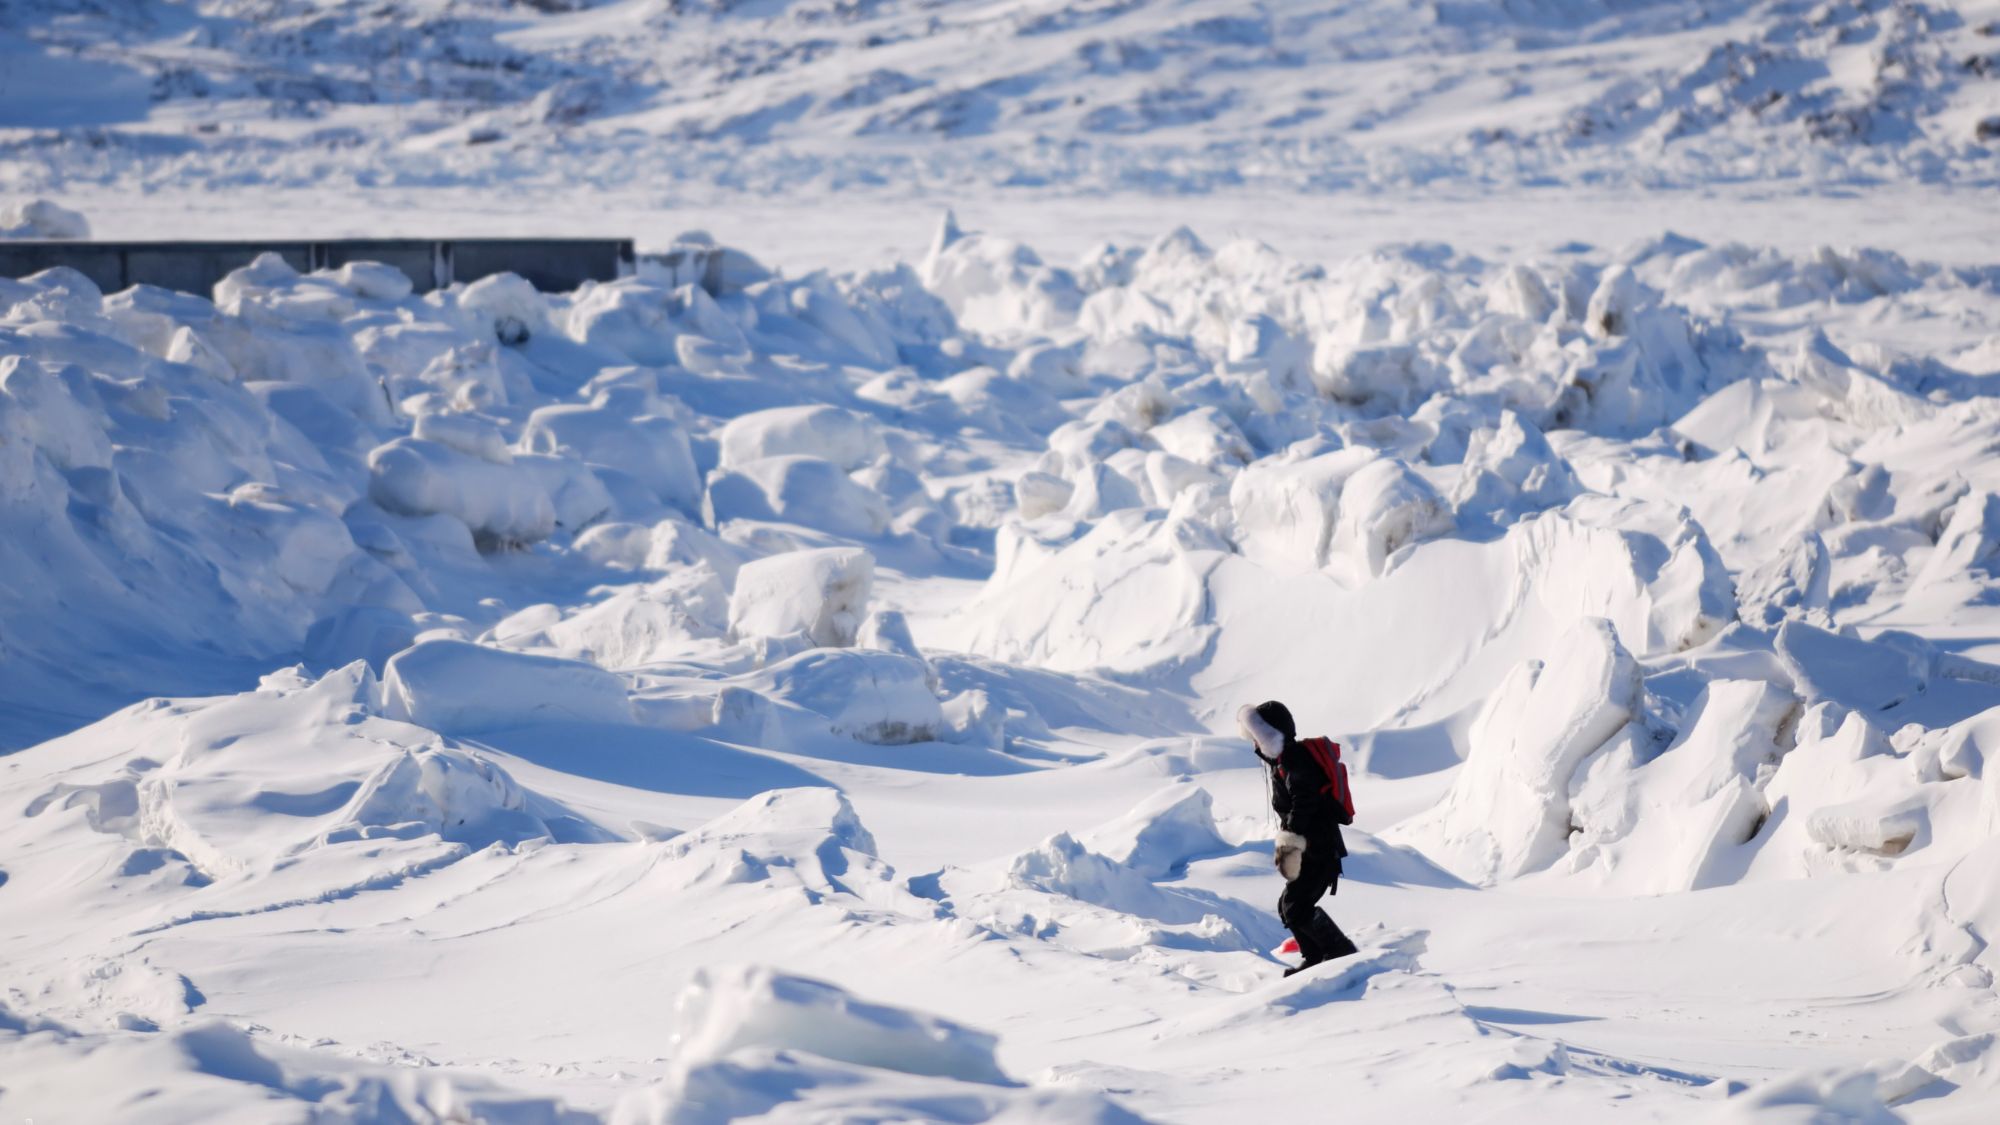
795, 680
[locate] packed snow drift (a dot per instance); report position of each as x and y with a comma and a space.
813, 697
797, 682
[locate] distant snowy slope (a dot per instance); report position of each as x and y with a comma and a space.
1181, 94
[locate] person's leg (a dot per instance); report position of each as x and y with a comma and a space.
1327, 935
1296, 907
1302, 930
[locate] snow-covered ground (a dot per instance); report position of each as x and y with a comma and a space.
771, 97
813, 700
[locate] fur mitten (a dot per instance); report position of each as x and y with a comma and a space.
1290, 854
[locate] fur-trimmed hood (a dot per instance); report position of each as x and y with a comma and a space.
1269, 741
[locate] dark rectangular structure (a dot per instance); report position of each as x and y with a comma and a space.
552, 265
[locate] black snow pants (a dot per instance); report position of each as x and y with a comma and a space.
1319, 939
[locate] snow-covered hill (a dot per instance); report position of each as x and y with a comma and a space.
814, 701
1176, 95
812, 698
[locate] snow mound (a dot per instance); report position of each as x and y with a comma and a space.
1865, 827
501, 504
1286, 513
1110, 909
812, 833
213, 1071
1843, 797
776, 1085
168, 500
642, 322
653, 450
1128, 594
823, 812
996, 284
1142, 592
41, 218
1971, 538
724, 1010
1967, 1060
829, 433
504, 307
806, 491
1346, 977
450, 793
1508, 811
1385, 507
663, 547
1162, 833
202, 797
456, 686
1867, 676
1796, 583
821, 593
864, 694
1510, 471
1846, 1097
673, 617
1393, 954
1680, 820
1648, 569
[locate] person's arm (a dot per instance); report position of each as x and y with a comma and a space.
1305, 797
1289, 849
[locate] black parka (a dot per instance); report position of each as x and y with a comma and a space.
1300, 797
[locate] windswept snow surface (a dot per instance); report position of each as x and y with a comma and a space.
811, 697
706, 96
811, 700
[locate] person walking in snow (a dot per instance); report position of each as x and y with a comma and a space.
1310, 795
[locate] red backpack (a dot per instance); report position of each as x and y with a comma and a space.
1326, 752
